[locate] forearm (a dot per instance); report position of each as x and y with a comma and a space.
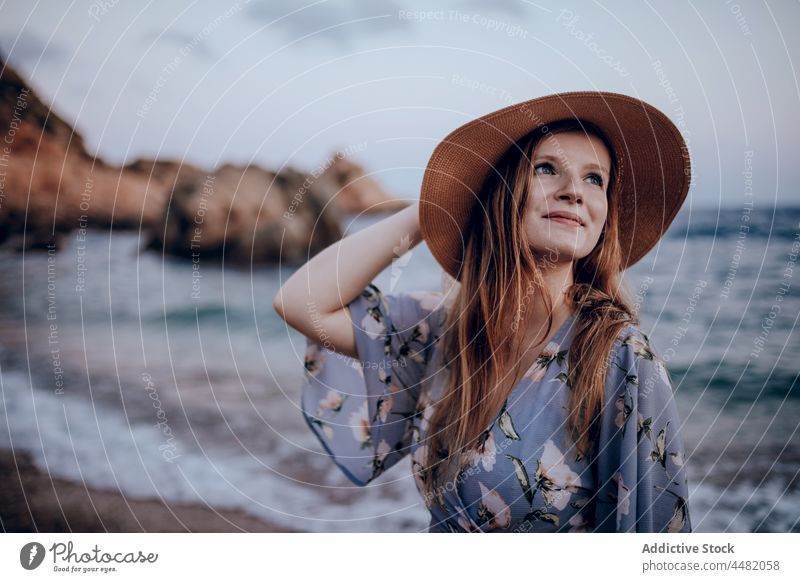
336, 275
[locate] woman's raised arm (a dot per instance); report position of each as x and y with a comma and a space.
313, 299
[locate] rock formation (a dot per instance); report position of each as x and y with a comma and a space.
50, 185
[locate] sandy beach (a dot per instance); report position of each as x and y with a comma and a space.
30, 501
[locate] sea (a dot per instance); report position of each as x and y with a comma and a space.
171, 378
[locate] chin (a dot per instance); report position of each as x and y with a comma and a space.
557, 254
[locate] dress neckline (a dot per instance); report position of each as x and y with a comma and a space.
557, 338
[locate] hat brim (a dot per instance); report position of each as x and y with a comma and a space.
653, 168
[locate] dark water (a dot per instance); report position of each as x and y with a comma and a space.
127, 370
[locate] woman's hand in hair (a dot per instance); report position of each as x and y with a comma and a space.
313, 300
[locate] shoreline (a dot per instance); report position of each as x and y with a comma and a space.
32, 501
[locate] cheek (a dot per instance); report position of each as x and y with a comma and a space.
599, 216
602, 216
601, 211
536, 203
535, 195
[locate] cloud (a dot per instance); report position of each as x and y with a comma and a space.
30, 49
321, 19
513, 8
179, 39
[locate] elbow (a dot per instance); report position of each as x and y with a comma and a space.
286, 311
277, 305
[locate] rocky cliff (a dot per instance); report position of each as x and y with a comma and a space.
50, 185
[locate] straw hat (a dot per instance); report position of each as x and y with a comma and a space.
652, 159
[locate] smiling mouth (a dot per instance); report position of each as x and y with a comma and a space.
567, 221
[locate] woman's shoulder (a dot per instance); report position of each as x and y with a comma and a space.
433, 310
414, 315
633, 339
427, 300
637, 361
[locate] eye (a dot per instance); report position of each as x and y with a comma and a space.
599, 179
543, 165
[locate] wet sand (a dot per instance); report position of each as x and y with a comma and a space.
30, 501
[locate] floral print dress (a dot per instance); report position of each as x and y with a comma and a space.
526, 475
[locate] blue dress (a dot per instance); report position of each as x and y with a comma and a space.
526, 477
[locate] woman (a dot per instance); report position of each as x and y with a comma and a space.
529, 400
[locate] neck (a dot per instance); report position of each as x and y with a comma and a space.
533, 322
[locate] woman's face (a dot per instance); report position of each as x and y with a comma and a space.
571, 174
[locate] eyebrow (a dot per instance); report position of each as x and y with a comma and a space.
555, 159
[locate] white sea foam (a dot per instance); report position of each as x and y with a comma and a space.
70, 438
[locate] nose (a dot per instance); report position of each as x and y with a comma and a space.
570, 191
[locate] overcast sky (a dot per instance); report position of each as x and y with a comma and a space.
284, 82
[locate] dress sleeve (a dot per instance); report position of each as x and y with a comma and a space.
361, 409
641, 478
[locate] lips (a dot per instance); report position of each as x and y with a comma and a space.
565, 217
